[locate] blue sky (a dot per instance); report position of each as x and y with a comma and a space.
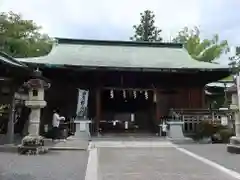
113, 19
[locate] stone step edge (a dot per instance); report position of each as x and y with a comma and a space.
67, 148
14, 148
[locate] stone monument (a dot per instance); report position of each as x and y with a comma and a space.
33, 143
175, 126
234, 145
81, 121
82, 129
176, 130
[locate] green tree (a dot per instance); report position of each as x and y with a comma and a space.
235, 61
206, 50
22, 38
146, 30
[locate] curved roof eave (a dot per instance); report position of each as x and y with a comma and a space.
7, 59
103, 54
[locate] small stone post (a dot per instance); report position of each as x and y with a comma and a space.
33, 143
236, 114
234, 145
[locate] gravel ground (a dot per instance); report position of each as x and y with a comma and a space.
216, 153
165, 163
55, 165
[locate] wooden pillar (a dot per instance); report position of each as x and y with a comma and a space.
189, 98
158, 114
98, 108
203, 98
10, 127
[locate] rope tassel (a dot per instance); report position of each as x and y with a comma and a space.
111, 94
146, 95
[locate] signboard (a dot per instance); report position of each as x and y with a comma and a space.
233, 107
224, 121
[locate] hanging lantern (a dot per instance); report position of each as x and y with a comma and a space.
134, 94
146, 95
124, 94
111, 94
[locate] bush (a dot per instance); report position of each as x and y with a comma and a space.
205, 129
218, 133
225, 134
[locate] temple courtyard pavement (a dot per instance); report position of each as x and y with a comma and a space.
129, 158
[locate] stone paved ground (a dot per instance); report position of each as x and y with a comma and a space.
158, 163
71, 143
216, 153
56, 165
127, 144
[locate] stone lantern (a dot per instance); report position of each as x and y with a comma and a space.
33, 142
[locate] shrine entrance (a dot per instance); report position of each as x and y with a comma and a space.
127, 111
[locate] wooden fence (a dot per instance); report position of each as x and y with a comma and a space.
192, 117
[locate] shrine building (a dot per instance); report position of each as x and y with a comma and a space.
137, 82
12, 74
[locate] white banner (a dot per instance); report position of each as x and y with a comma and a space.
82, 103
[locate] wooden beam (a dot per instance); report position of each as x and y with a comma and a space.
131, 89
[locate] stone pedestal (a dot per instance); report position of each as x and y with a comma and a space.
33, 143
35, 103
234, 144
175, 130
82, 129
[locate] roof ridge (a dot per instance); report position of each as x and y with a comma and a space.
118, 43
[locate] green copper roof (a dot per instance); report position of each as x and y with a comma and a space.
227, 79
120, 54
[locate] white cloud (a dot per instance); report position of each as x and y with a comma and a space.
61, 17
113, 19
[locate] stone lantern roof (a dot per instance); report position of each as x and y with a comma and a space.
37, 81
37, 74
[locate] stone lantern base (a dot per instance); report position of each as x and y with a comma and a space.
32, 145
234, 145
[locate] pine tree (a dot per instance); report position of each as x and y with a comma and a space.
146, 30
